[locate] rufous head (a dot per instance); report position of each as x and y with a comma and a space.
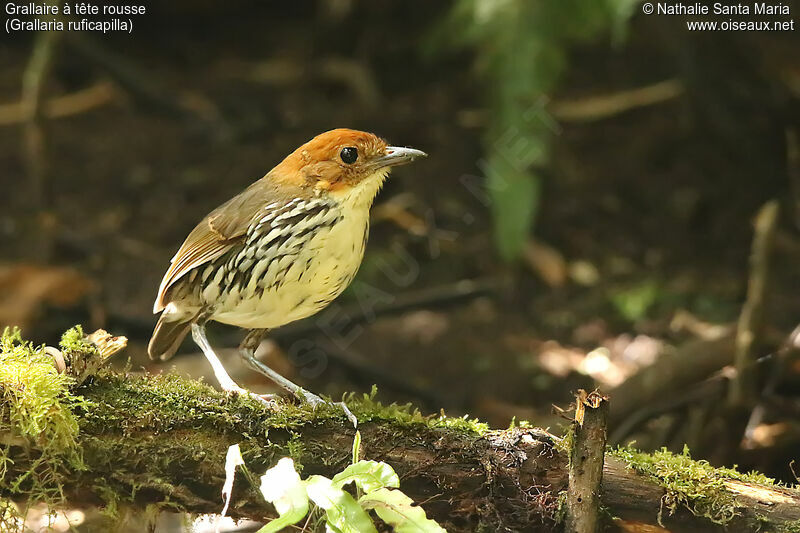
342, 161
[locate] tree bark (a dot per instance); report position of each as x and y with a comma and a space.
586, 460
148, 440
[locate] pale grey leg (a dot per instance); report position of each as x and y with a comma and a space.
248, 351
226, 383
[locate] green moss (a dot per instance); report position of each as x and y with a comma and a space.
165, 400
169, 403
561, 510
695, 485
74, 344
296, 449
173, 411
766, 525
10, 516
59, 417
36, 412
793, 527
37, 400
33, 393
366, 409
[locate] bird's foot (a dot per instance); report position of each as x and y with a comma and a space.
315, 401
269, 400
247, 351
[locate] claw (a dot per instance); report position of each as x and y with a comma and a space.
348, 413
247, 350
315, 401
267, 399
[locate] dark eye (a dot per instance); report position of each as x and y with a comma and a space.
349, 155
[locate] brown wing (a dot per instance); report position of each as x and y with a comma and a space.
216, 234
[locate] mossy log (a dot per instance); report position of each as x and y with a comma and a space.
131, 441
162, 440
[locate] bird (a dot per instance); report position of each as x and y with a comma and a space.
279, 251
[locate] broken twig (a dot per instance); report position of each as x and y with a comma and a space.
748, 333
33, 81
608, 105
61, 106
586, 460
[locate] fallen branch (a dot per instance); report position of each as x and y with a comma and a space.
608, 105
711, 389
148, 440
428, 298
743, 390
61, 106
34, 153
690, 364
586, 457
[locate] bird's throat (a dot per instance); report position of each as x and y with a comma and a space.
362, 194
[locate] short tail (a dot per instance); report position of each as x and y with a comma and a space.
167, 337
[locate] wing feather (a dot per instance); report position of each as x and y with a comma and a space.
224, 228
216, 234
202, 246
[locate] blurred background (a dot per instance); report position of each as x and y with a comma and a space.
596, 183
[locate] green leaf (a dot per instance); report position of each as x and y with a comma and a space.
522, 50
282, 487
280, 523
515, 199
342, 511
368, 476
399, 511
633, 302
